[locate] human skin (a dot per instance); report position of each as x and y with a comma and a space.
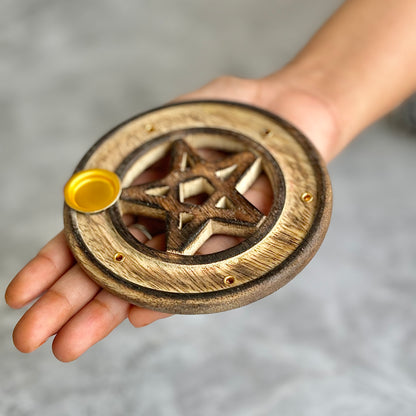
359, 66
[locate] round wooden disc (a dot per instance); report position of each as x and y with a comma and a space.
275, 245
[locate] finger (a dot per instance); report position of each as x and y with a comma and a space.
219, 242
40, 273
158, 242
140, 317
153, 173
94, 322
65, 298
260, 194
143, 228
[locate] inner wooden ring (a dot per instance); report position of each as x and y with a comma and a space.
214, 138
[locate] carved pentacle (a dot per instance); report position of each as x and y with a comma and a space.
197, 207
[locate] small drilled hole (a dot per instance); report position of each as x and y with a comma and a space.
229, 280
307, 197
119, 257
266, 132
149, 127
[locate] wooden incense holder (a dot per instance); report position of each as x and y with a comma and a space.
195, 198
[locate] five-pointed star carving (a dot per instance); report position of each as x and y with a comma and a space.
188, 225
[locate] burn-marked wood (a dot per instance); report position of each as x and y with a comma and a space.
276, 246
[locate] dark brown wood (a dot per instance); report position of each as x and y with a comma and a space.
276, 246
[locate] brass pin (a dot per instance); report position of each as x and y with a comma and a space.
229, 280
267, 132
307, 197
119, 257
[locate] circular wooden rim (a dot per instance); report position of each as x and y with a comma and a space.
228, 296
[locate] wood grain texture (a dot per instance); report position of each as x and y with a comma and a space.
276, 247
189, 225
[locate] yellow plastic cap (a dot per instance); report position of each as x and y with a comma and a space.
92, 190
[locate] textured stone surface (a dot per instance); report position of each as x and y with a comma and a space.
339, 339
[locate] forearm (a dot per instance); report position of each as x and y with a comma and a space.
360, 64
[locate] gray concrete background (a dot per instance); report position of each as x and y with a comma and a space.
339, 339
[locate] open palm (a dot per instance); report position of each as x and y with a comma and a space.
74, 308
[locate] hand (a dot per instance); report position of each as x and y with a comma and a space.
74, 308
